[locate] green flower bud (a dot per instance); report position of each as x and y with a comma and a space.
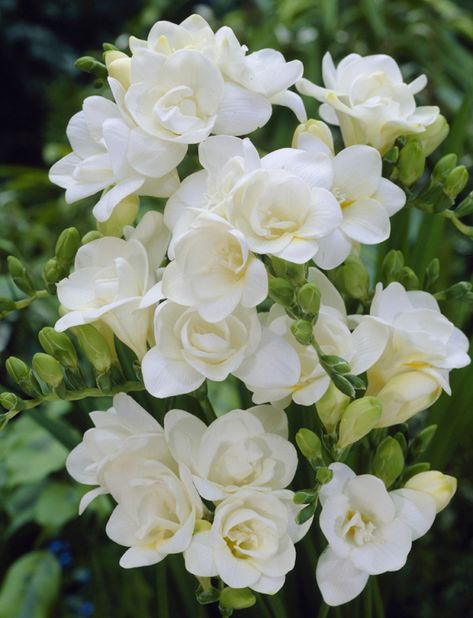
392, 265
354, 277
20, 373
88, 64
457, 291
422, 440
334, 364
281, 291
465, 207
411, 162
456, 181
358, 419
20, 275
444, 166
401, 438
303, 331
66, 246
95, 347
237, 598
432, 274
433, 135
392, 155
408, 278
10, 402
123, 214
388, 461
331, 407
294, 273
305, 496
309, 444
306, 513
59, 346
308, 299
48, 369
207, 595
51, 272
90, 236
344, 385
324, 475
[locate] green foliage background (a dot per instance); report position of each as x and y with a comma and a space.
74, 568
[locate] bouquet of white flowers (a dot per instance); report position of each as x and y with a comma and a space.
250, 280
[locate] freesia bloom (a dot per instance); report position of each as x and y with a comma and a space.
189, 349
250, 542
421, 348
241, 449
156, 511
368, 99
214, 271
124, 429
369, 531
112, 154
114, 281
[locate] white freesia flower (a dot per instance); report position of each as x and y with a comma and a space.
189, 349
250, 542
114, 281
111, 153
367, 200
369, 531
186, 82
422, 346
156, 511
124, 429
214, 271
368, 99
281, 367
241, 449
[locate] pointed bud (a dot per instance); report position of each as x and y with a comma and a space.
444, 166
308, 299
334, 364
432, 274
457, 291
433, 135
303, 331
119, 66
20, 373
388, 461
309, 444
408, 278
294, 273
392, 266
237, 598
281, 291
331, 407
324, 475
306, 513
358, 419
392, 155
456, 181
66, 247
401, 438
88, 64
59, 346
305, 496
51, 273
343, 384
465, 207
123, 214
48, 369
439, 486
95, 347
411, 162
354, 278
20, 275
91, 236
422, 440
314, 128
10, 402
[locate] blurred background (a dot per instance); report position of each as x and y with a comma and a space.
77, 573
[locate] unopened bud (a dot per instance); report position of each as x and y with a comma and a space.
123, 214
91, 236
432, 274
48, 369
433, 135
310, 129
66, 247
439, 486
303, 331
455, 292
20, 373
118, 65
10, 401
388, 461
237, 598
465, 207
358, 419
306, 513
20, 275
324, 475
308, 299
392, 265
281, 291
411, 162
331, 406
305, 496
456, 181
344, 385
354, 278
334, 364
444, 166
59, 346
422, 440
88, 64
51, 272
408, 278
309, 444
95, 347
294, 273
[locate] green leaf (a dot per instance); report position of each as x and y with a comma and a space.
58, 504
30, 587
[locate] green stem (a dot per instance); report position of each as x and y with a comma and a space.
368, 598
467, 230
377, 600
161, 592
26, 302
323, 611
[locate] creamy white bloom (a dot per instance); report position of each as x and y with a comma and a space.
250, 542
114, 281
281, 367
367, 200
156, 511
186, 82
124, 429
369, 531
214, 271
189, 349
113, 154
421, 348
241, 449
368, 99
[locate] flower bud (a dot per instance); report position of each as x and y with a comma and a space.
315, 128
422, 440
358, 419
331, 407
66, 247
456, 181
305, 496
90, 236
457, 291
432, 274
294, 273
48, 369
51, 273
281, 291
308, 299
334, 364
118, 65
95, 347
465, 207
88, 64
444, 166
20, 373
309, 444
324, 475
392, 265
19, 275
306, 513
411, 162
123, 214
343, 384
354, 277
237, 598
392, 155
10, 401
433, 135
440, 486
408, 278
388, 461
59, 346
303, 331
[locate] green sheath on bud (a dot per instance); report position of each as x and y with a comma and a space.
401, 438
422, 440
48, 369
303, 331
309, 444
20, 275
10, 401
90, 236
308, 299
392, 155
335, 364
358, 419
444, 166
465, 207
281, 291
456, 181
331, 407
422, 466
95, 347
306, 513
344, 385
433, 135
354, 278
295, 273
324, 475
392, 265
88, 64
408, 278
66, 246
123, 214
432, 274
411, 162
237, 598
305, 496
59, 346
388, 462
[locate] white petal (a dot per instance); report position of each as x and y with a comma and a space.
241, 111
152, 156
388, 552
338, 579
315, 168
198, 556
341, 475
333, 250
104, 207
165, 377
292, 101
366, 221
416, 509
369, 338
140, 556
357, 171
390, 195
